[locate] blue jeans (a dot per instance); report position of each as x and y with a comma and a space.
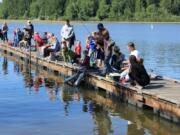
5, 38
107, 67
15, 43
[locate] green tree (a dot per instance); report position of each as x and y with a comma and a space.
138, 10
103, 11
34, 9
175, 7
72, 9
117, 8
87, 9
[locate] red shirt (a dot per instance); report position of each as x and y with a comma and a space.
87, 46
38, 40
78, 49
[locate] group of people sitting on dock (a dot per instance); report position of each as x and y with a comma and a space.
101, 53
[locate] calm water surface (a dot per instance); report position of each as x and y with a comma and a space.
36, 102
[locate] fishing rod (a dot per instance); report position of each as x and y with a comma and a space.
85, 27
30, 56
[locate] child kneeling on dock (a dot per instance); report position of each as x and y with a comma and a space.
68, 54
137, 73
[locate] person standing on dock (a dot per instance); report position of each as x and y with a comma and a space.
68, 34
101, 29
29, 28
108, 50
1, 34
5, 31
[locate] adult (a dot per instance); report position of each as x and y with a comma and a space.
52, 47
108, 48
100, 53
29, 30
133, 51
137, 73
101, 29
67, 34
30, 27
5, 31
1, 34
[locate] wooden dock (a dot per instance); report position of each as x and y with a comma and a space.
162, 95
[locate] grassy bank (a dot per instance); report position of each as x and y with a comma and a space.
78, 21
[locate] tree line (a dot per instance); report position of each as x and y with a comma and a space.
115, 10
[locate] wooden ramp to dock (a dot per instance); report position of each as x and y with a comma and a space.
162, 95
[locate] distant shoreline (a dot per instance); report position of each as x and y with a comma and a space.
77, 21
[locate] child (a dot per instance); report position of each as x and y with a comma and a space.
68, 55
77, 49
38, 40
117, 59
18, 35
87, 42
100, 53
85, 61
64, 50
92, 45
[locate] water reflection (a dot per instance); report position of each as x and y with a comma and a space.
67, 95
16, 68
52, 89
28, 77
108, 115
5, 66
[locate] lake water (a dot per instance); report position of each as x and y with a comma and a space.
35, 102
38, 103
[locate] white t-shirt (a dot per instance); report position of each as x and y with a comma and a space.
67, 31
136, 53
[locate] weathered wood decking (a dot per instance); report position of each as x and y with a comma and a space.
161, 95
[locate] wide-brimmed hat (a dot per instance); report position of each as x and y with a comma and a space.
29, 21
